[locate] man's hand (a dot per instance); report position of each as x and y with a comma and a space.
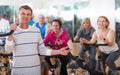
13, 27
64, 51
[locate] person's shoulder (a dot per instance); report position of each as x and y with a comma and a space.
36, 23
80, 30
34, 28
111, 30
92, 29
50, 33
63, 29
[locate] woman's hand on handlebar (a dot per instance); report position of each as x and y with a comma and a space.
106, 41
81, 40
84, 41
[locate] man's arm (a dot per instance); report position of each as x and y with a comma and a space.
9, 45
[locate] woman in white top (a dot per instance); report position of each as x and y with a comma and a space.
105, 35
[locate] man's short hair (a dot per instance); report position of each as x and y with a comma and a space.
27, 8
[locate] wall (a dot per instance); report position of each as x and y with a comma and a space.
97, 8
33, 3
103, 7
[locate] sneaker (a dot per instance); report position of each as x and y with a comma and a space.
118, 68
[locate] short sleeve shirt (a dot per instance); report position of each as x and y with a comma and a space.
87, 35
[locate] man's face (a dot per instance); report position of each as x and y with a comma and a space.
41, 19
24, 16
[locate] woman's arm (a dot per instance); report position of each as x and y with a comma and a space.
10, 45
111, 39
62, 51
75, 38
78, 35
92, 41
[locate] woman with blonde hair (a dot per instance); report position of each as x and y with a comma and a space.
86, 31
105, 35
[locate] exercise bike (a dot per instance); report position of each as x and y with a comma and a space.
82, 64
55, 62
4, 62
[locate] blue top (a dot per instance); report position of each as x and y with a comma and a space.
31, 22
42, 29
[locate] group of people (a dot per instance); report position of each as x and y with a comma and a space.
104, 35
28, 41
53, 34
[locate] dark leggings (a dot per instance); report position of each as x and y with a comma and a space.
109, 59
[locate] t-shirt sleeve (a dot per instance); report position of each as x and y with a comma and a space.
79, 33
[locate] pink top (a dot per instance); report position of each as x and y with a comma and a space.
51, 38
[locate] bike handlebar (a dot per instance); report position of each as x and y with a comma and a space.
6, 55
94, 44
6, 34
56, 45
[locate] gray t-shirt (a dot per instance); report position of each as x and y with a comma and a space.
87, 35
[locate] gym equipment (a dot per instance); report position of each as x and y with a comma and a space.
6, 34
82, 64
4, 62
